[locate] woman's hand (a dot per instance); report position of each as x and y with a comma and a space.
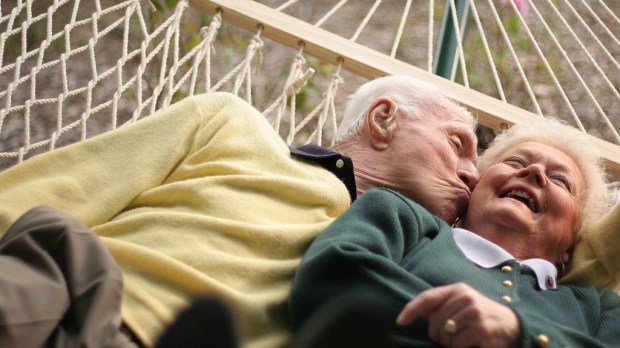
460, 316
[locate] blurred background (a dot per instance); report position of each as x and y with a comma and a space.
73, 69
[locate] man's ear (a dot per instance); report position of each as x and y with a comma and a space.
381, 122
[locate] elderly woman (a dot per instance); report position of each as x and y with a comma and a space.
491, 282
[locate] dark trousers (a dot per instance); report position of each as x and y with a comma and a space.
341, 323
59, 286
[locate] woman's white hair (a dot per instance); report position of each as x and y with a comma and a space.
576, 144
416, 98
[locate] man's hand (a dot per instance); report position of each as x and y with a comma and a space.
460, 316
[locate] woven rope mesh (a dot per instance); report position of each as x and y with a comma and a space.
73, 69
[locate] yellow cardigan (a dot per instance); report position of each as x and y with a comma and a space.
201, 197
596, 259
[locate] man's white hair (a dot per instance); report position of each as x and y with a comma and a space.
416, 98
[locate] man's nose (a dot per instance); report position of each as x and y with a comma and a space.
468, 173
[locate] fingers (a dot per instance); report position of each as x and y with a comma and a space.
459, 316
466, 334
426, 302
465, 339
446, 321
446, 333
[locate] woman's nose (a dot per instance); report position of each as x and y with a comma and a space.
534, 171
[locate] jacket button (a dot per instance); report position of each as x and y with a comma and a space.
506, 299
506, 269
542, 340
340, 163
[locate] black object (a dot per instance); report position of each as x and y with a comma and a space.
207, 322
344, 323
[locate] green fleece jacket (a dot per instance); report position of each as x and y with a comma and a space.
386, 249
202, 197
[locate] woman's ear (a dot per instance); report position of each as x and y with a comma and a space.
566, 257
564, 260
381, 123
568, 254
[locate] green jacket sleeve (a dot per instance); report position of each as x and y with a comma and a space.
358, 255
604, 313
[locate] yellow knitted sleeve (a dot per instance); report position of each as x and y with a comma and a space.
596, 259
95, 179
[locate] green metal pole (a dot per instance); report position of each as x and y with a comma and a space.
446, 62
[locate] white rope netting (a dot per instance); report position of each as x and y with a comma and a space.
101, 67
66, 77
72, 69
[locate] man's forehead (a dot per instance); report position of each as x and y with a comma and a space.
462, 123
452, 122
463, 118
454, 114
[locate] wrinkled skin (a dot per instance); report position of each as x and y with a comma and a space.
543, 227
554, 183
432, 160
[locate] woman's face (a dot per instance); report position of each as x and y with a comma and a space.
528, 202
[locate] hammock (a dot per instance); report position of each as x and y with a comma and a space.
74, 69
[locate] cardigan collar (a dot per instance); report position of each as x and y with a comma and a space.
487, 255
340, 165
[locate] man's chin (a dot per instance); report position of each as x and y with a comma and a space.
448, 206
448, 215
456, 211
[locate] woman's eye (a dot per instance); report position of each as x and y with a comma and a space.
515, 162
562, 181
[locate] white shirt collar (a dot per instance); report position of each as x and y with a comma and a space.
486, 254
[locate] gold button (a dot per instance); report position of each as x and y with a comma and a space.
506, 269
506, 299
507, 283
543, 340
340, 163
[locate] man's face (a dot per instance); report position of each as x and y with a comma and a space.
433, 161
528, 202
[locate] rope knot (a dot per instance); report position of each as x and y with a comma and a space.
299, 82
256, 43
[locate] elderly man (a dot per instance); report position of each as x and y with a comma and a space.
204, 197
